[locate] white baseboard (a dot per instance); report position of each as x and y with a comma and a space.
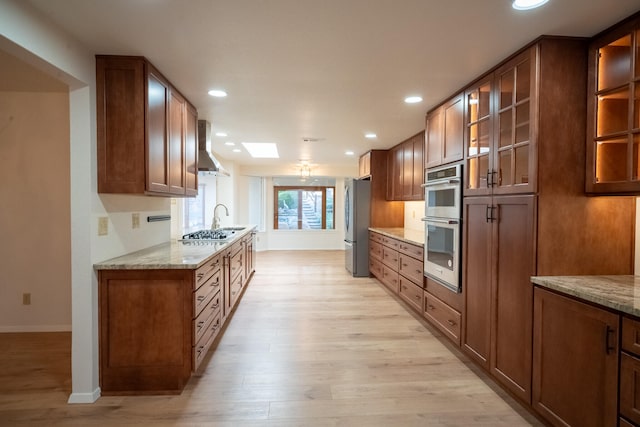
84, 397
36, 328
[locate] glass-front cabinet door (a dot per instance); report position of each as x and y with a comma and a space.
478, 138
514, 167
613, 130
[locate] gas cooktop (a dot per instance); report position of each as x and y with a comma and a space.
206, 235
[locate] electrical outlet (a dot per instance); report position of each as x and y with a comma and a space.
135, 220
103, 226
26, 299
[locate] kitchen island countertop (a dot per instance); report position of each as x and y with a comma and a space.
171, 255
621, 293
408, 235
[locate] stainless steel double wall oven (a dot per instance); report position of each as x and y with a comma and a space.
443, 215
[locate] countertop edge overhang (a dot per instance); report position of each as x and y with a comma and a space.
415, 237
617, 292
172, 255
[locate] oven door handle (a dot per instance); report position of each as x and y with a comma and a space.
440, 182
441, 221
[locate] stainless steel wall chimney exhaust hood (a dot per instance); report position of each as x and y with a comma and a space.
206, 161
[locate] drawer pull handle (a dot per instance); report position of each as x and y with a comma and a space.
200, 324
451, 322
418, 297
419, 271
431, 307
607, 346
201, 298
215, 284
200, 275
216, 305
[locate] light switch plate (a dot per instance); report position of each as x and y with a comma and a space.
135, 220
103, 226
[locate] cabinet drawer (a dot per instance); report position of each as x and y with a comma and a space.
414, 251
205, 271
376, 237
375, 267
202, 322
411, 293
630, 387
392, 243
442, 316
390, 257
390, 278
631, 335
411, 268
201, 349
375, 249
204, 292
234, 290
236, 264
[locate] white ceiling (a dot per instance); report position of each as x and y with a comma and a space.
326, 69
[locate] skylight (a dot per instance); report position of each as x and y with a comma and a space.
262, 150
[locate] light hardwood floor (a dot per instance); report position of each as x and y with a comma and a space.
308, 346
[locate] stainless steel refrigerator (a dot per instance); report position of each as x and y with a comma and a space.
357, 194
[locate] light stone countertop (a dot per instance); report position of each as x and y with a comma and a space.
621, 293
415, 237
171, 255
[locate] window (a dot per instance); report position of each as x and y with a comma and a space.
193, 214
303, 207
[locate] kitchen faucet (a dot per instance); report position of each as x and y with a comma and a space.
216, 220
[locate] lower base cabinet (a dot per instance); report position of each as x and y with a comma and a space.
575, 362
156, 326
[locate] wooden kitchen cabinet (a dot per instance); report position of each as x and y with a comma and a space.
629, 387
500, 134
145, 330
499, 252
406, 169
575, 361
147, 138
383, 213
364, 165
395, 170
613, 111
444, 133
398, 265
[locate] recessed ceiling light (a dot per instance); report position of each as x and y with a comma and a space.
413, 99
349, 153
262, 150
221, 134
237, 150
370, 135
527, 4
218, 93
229, 143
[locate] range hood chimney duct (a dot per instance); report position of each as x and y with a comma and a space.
206, 161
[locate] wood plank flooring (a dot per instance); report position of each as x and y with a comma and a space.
308, 346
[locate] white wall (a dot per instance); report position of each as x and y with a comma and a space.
35, 256
31, 37
413, 214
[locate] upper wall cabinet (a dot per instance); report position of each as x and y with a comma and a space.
444, 133
147, 131
613, 123
500, 128
406, 169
